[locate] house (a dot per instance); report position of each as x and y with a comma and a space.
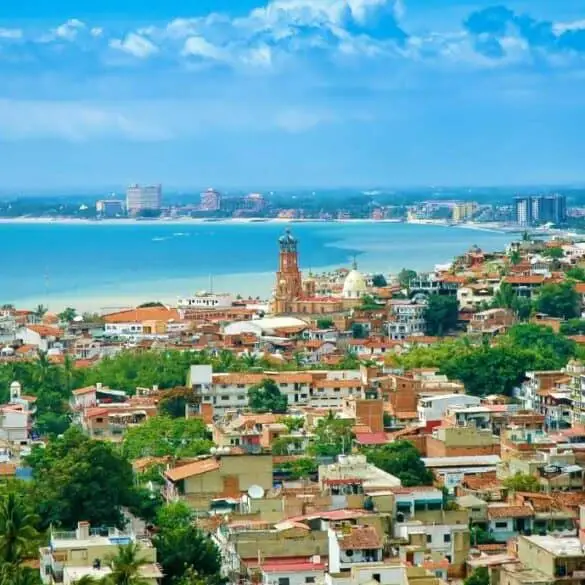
42, 337
507, 521
351, 544
491, 322
143, 322
220, 476
73, 555
432, 409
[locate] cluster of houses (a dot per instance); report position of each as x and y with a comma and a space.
508, 472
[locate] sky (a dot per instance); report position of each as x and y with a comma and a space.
291, 93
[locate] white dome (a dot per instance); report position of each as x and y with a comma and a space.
354, 286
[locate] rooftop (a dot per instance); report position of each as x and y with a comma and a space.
568, 546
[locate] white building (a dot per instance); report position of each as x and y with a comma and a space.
434, 408
355, 285
42, 337
353, 544
406, 319
266, 327
206, 300
317, 388
145, 198
292, 572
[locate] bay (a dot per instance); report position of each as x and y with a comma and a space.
93, 266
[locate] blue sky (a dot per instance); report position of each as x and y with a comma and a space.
271, 93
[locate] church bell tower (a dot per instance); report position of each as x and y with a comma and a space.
288, 277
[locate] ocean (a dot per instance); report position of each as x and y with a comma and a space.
93, 266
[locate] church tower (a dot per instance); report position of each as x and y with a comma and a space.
288, 277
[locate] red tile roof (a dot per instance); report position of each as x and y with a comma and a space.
371, 438
45, 331
143, 314
510, 512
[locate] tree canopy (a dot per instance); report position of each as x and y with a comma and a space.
333, 436
480, 576
441, 314
77, 478
267, 397
163, 435
522, 482
558, 300
405, 276
402, 460
379, 280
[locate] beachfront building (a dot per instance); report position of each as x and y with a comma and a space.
210, 200
143, 199
108, 208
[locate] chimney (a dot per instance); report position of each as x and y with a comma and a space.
155, 387
82, 530
98, 386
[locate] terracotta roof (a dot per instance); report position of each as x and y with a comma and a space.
239, 378
191, 469
337, 383
82, 391
531, 279
360, 538
26, 348
291, 566
95, 411
45, 331
7, 469
143, 314
371, 438
580, 287
510, 512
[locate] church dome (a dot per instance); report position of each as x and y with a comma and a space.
354, 285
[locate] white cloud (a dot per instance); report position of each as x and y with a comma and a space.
11, 33
96, 31
135, 45
69, 30
73, 121
562, 27
199, 47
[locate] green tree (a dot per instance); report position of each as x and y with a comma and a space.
441, 314
378, 280
293, 423
558, 300
555, 253
549, 344
77, 478
573, 327
333, 436
504, 297
358, 331
480, 576
522, 482
369, 303
181, 545
515, 257
126, 566
405, 276
151, 305
67, 315
163, 435
576, 273
402, 460
266, 397
17, 529
324, 323
40, 311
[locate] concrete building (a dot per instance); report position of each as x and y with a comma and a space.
464, 211
73, 555
432, 409
405, 319
356, 467
143, 199
107, 208
206, 300
210, 200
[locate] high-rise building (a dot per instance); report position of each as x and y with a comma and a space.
523, 210
210, 200
464, 211
140, 199
109, 207
540, 209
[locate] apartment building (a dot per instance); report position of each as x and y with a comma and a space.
406, 319
220, 393
85, 551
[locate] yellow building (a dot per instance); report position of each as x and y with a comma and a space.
220, 476
85, 552
464, 211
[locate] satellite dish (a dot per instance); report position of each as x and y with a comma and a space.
78, 318
256, 492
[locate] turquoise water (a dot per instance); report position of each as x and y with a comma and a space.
102, 264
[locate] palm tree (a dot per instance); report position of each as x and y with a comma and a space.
43, 368
249, 360
17, 529
126, 566
40, 311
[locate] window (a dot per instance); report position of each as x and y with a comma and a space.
309, 579
99, 420
501, 525
283, 581
241, 397
446, 538
225, 397
429, 538
241, 386
377, 577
